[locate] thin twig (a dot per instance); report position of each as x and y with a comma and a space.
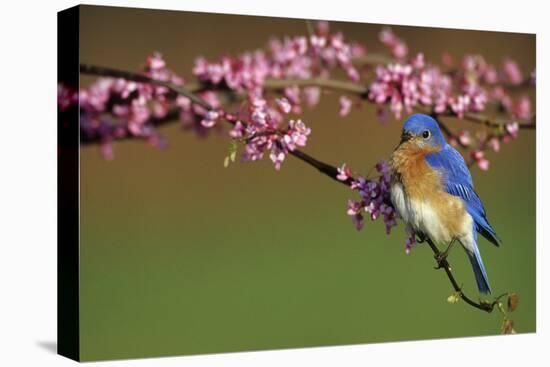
444, 264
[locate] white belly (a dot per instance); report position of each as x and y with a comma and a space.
421, 216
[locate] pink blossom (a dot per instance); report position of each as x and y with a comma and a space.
512, 71
106, 149
410, 243
494, 143
397, 46
115, 108
284, 105
479, 158
296, 135
277, 155
375, 196
344, 173
156, 62
237, 131
512, 129
322, 27
293, 95
522, 109
354, 210
312, 95
345, 106
210, 119
464, 138
459, 105
491, 75
418, 61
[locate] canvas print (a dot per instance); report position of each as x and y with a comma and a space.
236, 183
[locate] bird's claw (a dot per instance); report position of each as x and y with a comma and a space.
441, 259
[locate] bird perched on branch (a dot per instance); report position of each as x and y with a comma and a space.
432, 190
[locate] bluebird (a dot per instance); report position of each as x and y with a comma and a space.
432, 190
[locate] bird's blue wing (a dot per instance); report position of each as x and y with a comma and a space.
458, 182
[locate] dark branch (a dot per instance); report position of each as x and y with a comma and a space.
140, 78
322, 167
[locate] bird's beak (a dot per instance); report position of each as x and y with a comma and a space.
405, 136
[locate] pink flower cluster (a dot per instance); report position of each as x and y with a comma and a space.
520, 108
262, 132
266, 123
397, 46
375, 197
66, 97
404, 85
115, 108
290, 58
493, 141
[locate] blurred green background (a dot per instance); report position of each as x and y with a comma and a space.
182, 256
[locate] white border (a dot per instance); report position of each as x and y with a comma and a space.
28, 182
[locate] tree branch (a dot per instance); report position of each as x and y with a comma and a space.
324, 168
334, 84
140, 78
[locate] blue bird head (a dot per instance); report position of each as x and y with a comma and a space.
423, 130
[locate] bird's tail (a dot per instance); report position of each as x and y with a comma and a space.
479, 271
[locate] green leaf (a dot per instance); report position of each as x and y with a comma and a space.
233, 147
226, 162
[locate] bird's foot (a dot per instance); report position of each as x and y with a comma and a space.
441, 259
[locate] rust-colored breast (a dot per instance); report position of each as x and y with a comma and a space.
411, 169
423, 184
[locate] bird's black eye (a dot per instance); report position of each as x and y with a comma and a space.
426, 134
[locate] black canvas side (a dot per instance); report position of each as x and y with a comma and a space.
68, 330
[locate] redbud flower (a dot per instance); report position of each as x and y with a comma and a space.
512, 71
375, 195
410, 243
479, 158
464, 137
344, 173
284, 105
237, 131
210, 119
395, 44
512, 129
345, 106
354, 210
522, 109
277, 155
296, 135
312, 95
